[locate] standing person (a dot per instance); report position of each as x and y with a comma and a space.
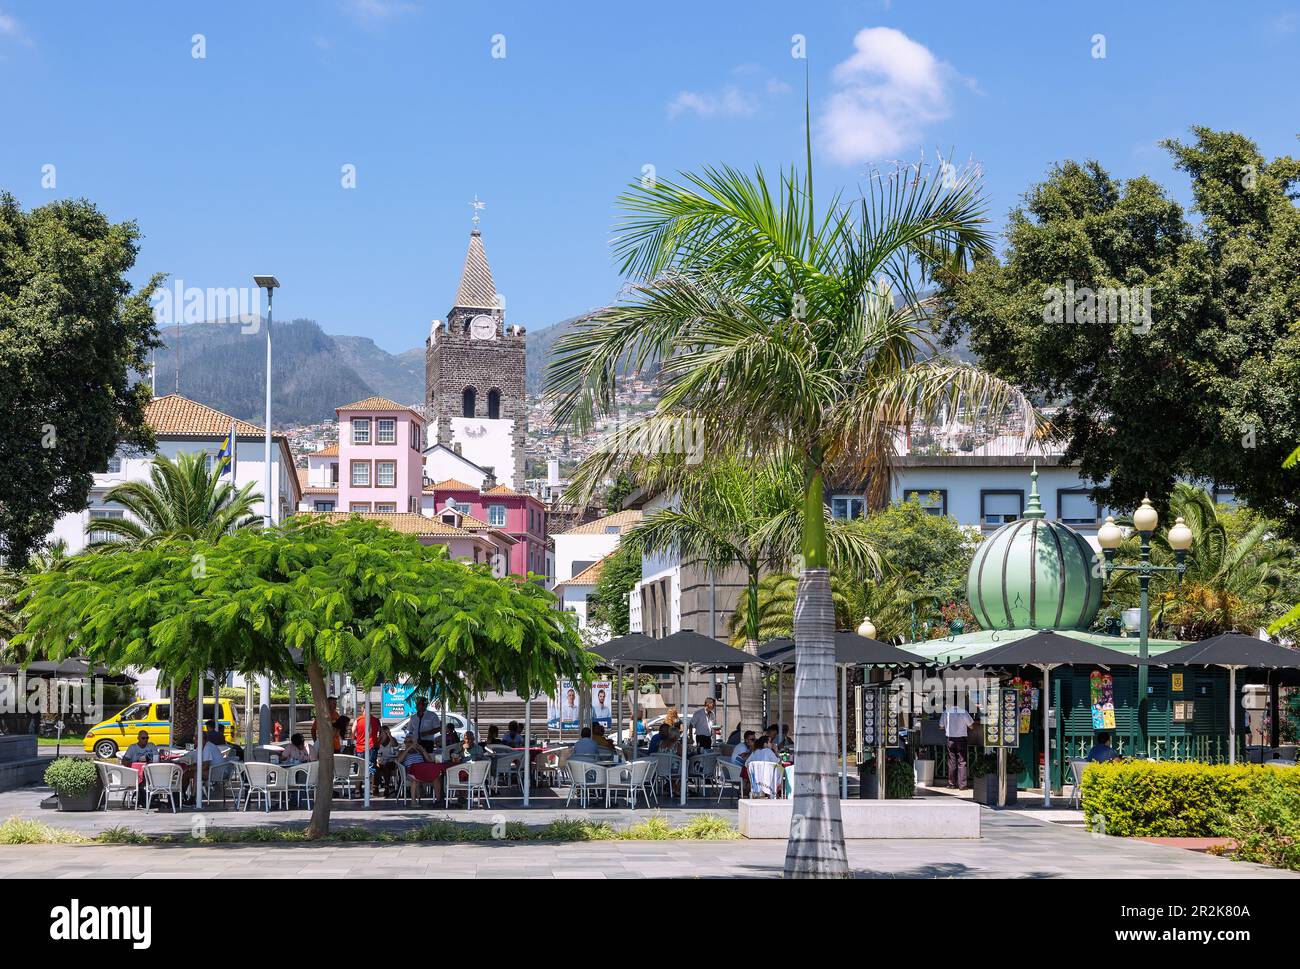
956, 723
365, 737
702, 724
424, 726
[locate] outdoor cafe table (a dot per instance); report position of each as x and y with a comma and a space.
170, 757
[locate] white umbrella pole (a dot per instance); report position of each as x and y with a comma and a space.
198, 752
1232, 714
686, 688
780, 704
618, 701
444, 726
844, 732
636, 690
528, 743
366, 741
1047, 738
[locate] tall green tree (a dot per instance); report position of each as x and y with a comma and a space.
619, 575
731, 514
183, 501
1206, 386
789, 332
72, 334
355, 597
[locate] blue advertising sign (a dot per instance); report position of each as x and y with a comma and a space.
397, 701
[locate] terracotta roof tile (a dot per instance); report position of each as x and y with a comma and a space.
451, 484
379, 403
588, 576
406, 522
623, 519
174, 414
327, 452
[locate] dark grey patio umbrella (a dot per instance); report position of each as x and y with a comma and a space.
1046, 650
1233, 652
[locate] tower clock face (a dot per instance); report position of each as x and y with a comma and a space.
483, 328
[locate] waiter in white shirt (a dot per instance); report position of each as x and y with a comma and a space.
702, 724
425, 726
956, 723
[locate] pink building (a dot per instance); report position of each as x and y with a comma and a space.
380, 459
518, 515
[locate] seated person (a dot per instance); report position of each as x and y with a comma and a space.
513, 737
296, 752
141, 752
469, 749
212, 754
762, 752
411, 754
216, 734
586, 748
598, 735
735, 737
1102, 751
741, 753
662, 741
452, 738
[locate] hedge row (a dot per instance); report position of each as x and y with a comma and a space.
1175, 800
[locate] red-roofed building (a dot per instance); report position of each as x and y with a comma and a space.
519, 515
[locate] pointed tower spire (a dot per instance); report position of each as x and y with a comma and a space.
1034, 507
476, 287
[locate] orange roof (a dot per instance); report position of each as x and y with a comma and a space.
502, 490
588, 576
622, 519
378, 403
327, 452
406, 522
174, 414
451, 484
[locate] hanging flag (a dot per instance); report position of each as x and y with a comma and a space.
226, 456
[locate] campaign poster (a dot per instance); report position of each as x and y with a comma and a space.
602, 695
397, 702
568, 705
1102, 688
553, 710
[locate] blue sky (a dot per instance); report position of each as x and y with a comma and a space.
232, 163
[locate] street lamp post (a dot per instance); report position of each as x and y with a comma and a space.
270, 284
1109, 537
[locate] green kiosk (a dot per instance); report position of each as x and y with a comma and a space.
1034, 574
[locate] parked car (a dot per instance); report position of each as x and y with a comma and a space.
461, 723
118, 732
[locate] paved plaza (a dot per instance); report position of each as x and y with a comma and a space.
1014, 845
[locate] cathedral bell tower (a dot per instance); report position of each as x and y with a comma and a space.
474, 374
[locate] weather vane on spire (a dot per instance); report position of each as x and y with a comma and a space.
476, 205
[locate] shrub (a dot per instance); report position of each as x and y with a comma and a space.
21, 831
988, 764
1266, 825
72, 776
1172, 800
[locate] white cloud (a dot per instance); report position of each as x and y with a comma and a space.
9, 27
374, 12
884, 96
730, 102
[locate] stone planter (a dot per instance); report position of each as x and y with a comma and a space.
985, 789
85, 802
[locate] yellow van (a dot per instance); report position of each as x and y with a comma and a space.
109, 738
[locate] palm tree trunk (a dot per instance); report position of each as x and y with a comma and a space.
751, 678
319, 825
816, 845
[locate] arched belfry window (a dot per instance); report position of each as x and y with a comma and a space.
467, 402
494, 404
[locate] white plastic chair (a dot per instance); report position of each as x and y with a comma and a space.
765, 778
266, 781
701, 770
117, 779
470, 778
223, 777
165, 780
349, 773
585, 777
625, 780
302, 781
669, 771
1077, 767
508, 770
728, 777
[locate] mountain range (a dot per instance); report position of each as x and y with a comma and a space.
313, 372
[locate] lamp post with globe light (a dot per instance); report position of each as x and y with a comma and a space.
1109, 537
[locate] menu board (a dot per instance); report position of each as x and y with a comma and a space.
1001, 720
1101, 686
880, 716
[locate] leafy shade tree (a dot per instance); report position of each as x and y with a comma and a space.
618, 576
72, 332
617, 492
1204, 386
183, 501
730, 514
785, 332
355, 597
1236, 570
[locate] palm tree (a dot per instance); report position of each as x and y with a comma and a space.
790, 333
730, 515
183, 501
1234, 574
883, 601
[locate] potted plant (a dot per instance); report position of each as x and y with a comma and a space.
75, 782
984, 775
900, 779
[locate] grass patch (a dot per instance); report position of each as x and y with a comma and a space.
444, 830
20, 831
